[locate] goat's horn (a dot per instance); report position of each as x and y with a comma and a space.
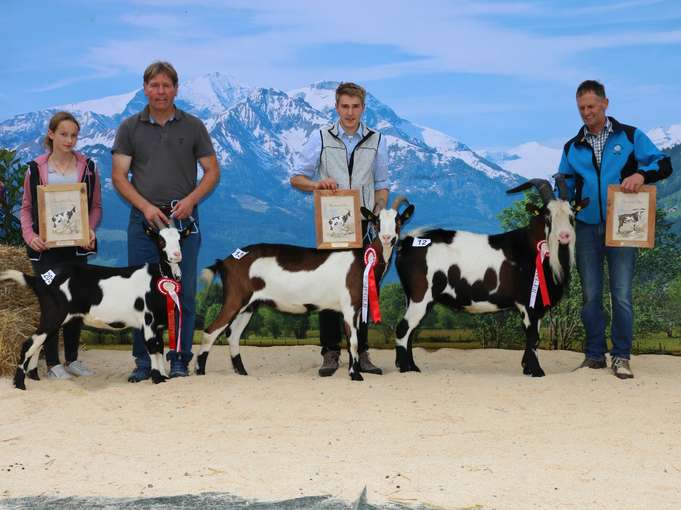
563, 192
398, 201
542, 185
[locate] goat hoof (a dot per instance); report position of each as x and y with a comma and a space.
19, 381
201, 363
403, 361
157, 378
238, 365
356, 376
533, 371
408, 367
33, 374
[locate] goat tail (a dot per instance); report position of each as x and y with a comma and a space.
23, 279
208, 274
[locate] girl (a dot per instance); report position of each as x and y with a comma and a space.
61, 164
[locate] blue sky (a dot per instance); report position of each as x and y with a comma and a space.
491, 74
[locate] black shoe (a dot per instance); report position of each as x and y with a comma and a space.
330, 363
366, 366
592, 363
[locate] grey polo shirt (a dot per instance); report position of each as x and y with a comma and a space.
164, 158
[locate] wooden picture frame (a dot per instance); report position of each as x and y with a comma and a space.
337, 219
631, 217
63, 215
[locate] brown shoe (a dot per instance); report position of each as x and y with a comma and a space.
330, 363
366, 366
621, 369
592, 363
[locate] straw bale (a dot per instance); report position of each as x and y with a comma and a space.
19, 311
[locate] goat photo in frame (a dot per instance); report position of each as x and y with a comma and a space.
631, 217
63, 215
337, 219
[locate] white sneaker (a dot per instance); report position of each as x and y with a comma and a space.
79, 369
58, 372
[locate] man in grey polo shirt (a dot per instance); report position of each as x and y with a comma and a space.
160, 147
345, 155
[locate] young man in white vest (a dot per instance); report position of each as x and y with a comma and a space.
345, 155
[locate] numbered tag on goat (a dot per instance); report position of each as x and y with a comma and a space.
239, 254
48, 276
420, 242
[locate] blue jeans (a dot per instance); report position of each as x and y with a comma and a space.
590, 253
142, 249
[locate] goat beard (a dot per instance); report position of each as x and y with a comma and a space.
557, 252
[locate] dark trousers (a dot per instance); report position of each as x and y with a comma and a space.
141, 249
330, 327
56, 259
331, 324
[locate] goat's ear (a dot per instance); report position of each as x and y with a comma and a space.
186, 231
406, 214
532, 209
368, 214
581, 205
150, 231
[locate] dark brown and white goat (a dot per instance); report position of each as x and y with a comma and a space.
297, 280
487, 273
105, 298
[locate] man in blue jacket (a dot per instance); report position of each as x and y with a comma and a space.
606, 152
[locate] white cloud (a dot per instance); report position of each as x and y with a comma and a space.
448, 37
57, 84
464, 37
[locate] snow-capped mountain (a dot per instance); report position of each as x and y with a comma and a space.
111, 105
212, 94
666, 137
258, 134
530, 159
533, 159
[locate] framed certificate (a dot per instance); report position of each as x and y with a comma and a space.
337, 219
631, 217
63, 215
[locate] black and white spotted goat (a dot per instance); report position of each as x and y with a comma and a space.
486, 273
106, 298
298, 280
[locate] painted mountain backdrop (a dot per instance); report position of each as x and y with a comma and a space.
258, 134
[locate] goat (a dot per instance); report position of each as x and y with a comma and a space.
629, 222
105, 298
297, 280
62, 222
486, 273
338, 222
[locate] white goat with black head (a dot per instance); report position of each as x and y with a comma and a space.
106, 298
298, 280
487, 273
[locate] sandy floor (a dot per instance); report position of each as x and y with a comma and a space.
468, 432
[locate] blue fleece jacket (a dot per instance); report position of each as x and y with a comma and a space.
627, 151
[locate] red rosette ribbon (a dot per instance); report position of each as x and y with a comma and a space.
369, 288
539, 282
171, 290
